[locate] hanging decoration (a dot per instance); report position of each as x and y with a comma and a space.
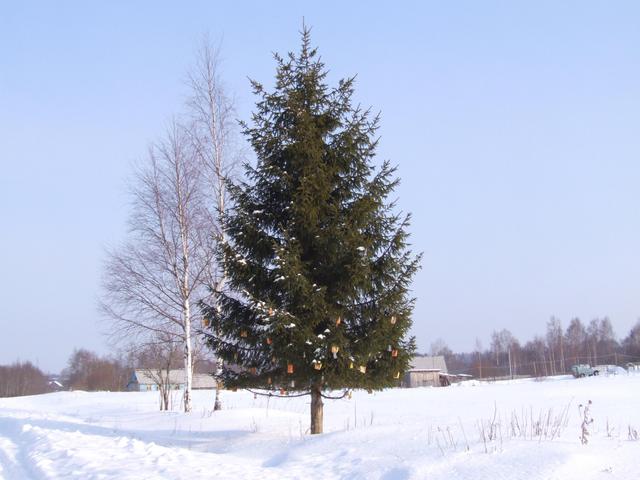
338, 321
317, 365
363, 369
269, 341
334, 350
243, 333
393, 319
290, 368
394, 353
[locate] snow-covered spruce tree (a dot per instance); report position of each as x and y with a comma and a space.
316, 256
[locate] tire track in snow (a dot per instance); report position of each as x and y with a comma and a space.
10, 468
34, 448
14, 460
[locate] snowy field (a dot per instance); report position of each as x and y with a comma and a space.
508, 430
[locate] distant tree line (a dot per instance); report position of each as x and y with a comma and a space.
550, 354
85, 370
88, 371
22, 378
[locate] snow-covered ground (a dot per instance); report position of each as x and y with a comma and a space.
508, 430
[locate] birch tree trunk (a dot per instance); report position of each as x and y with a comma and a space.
217, 404
213, 129
188, 358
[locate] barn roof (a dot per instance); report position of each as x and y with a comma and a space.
421, 364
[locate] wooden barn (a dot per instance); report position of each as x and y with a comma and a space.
426, 372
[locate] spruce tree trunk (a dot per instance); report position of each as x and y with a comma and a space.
316, 409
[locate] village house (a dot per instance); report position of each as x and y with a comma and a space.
143, 380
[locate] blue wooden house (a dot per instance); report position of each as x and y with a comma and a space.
148, 379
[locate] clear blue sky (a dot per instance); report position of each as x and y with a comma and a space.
515, 127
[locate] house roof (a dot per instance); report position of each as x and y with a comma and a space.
421, 364
203, 380
176, 377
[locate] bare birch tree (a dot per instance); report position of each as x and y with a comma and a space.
153, 283
213, 130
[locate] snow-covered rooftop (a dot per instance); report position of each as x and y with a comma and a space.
419, 363
176, 377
